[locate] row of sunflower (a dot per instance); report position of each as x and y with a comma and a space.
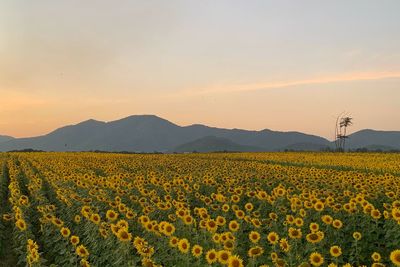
3, 198
374, 162
23, 236
211, 209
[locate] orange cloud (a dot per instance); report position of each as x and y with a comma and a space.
283, 84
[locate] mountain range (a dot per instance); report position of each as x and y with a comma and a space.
149, 133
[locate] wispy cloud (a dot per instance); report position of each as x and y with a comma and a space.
232, 88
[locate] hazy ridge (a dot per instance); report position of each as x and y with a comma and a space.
149, 133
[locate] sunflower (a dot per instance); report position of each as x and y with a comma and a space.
303, 213
378, 264
48, 218
65, 232
57, 222
376, 214
316, 259
337, 224
240, 214
294, 233
197, 251
123, 224
111, 215
280, 192
255, 252
254, 236
216, 238
223, 237
234, 226
32, 245
235, 198
84, 263
319, 206
130, 214
139, 242
229, 245
74, 240
114, 228
235, 261
144, 219
212, 226
223, 256
299, 222
221, 221
169, 229
357, 235
376, 256
396, 214
149, 226
85, 211
273, 216
181, 212
249, 206
188, 220
95, 218
173, 241
146, 262
203, 224
146, 251
7, 217
335, 251
315, 237
34, 256
21, 224
225, 208
395, 257
327, 219
289, 219
77, 219
274, 256
211, 256
273, 238
284, 244
314, 227
122, 208
256, 222
280, 263
123, 235
103, 232
82, 252
183, 245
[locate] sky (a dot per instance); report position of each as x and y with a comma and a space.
280, 65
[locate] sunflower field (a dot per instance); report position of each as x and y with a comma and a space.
217, 209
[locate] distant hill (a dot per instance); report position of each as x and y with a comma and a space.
149, 133
212, 144
372, 138
5, 138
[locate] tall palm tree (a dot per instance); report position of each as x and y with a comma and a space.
341, 131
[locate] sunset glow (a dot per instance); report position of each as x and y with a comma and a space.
227, 64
